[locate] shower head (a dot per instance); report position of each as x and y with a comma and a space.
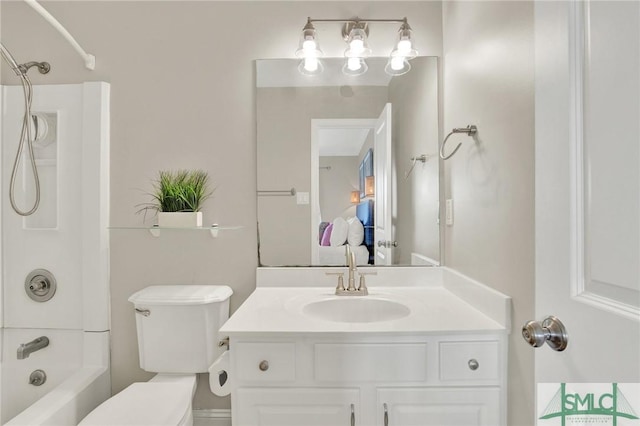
22, 69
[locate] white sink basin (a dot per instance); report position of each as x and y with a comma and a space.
356, 309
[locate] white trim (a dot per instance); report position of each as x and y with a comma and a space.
579, 23
95, 206
316, 126
212, 417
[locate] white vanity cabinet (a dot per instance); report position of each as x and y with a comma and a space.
368, 380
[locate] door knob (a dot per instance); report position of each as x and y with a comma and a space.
551, 330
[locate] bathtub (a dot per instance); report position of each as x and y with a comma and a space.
78, 379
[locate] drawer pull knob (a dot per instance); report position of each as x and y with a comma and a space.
473, 364
263, 366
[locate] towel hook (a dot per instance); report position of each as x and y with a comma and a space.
422, 158
470, 130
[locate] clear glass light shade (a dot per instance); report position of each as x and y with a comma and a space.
355, 66
308, 46
358, 45
310, 66
404, 47
397, 65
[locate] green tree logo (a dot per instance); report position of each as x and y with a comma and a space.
589, 405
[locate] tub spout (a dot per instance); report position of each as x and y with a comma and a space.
25, 349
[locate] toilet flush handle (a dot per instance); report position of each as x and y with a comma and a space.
143, 312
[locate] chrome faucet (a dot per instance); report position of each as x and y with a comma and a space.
353, 268
25, 349
351, 289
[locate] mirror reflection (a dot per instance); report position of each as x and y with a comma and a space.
347, 160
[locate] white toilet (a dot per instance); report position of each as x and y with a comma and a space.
177, 338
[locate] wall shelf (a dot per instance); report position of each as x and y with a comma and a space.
156, 230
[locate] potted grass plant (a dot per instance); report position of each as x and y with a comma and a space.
178, 197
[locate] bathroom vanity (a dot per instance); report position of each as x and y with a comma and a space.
415, 353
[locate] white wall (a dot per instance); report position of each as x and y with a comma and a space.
489, 81
182, 84
415, 132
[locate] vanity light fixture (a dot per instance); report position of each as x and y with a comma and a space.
309, 51
400, 56
355, 33
355, 197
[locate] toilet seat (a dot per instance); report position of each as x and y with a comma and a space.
153, 403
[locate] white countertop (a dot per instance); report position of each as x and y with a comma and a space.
433, 310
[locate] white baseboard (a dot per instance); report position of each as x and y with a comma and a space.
211, 417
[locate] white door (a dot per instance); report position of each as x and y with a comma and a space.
588, 193
384, 194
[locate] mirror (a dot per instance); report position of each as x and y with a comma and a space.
357, 152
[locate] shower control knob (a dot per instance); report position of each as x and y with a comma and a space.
40, 285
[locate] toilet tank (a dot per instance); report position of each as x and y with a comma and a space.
178, 326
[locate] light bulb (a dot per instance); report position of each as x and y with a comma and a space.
354, 64
311, 64
309, 45
397, 63
404, 46
356, 45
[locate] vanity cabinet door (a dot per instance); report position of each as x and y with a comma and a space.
296, 407
438, 407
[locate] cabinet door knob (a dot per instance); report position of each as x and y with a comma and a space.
264, 365
473, 364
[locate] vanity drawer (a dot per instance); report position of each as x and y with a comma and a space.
265, 362
370, 362
469, 361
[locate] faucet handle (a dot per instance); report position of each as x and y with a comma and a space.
340, 286
362, 286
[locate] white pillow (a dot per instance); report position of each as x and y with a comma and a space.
355, 237
340, 232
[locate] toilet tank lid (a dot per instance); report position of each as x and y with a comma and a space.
181, 295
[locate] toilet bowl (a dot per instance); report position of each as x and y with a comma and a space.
177, 337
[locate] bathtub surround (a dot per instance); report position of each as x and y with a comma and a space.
68, 237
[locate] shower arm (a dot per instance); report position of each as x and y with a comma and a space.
89, 59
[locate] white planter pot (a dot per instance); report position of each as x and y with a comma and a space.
179, 219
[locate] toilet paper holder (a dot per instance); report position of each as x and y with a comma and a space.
219, 377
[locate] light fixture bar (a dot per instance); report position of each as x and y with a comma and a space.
355, 32
354, 20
